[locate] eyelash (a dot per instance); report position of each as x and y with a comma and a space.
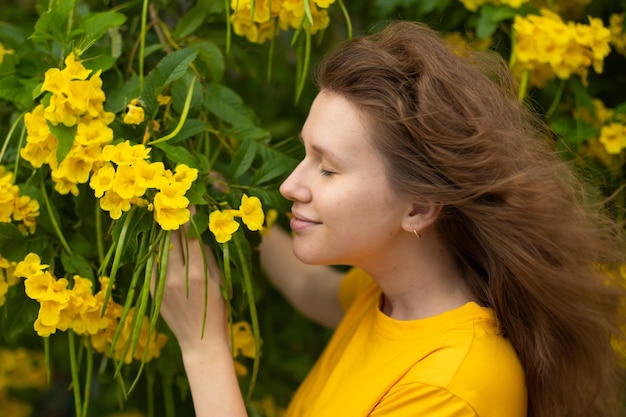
326, 172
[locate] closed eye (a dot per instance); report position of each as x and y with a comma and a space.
326, 172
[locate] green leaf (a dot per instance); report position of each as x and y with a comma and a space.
190, 21
118, 99
227, 105
190, 128
52, 24
247, 132
76, 264
243, 158
270, 170
10, 235
179, 91
490, 17
211, 56
16, 90
95, 25
65, 136
178, 154
170, 68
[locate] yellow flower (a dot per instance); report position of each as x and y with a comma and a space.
163, 100
135, 113
222, 224
4, 51
31, 265
4, 288
150, 175
251, 212
613, 137
102, 180
169, 218
270, 219
114, 204
124, 153
184, 176
243, 340
55, 81
74, 69
128, 183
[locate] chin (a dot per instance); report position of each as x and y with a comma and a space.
311, 255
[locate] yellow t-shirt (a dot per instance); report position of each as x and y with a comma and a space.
451, 365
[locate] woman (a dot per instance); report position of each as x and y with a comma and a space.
476, 289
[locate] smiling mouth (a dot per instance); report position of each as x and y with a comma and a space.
299, 224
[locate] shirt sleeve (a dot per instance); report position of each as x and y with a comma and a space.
353, 284
415, 399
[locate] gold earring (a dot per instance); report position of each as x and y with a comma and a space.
417, 235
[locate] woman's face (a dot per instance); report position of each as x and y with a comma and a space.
344, 211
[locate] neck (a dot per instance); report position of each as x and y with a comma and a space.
420, 282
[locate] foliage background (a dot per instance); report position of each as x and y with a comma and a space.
268, 108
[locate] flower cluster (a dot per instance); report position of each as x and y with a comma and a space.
14, 206
473, 5
549, 47
572, 9
260, 24
80, 310
74, 100
125, 175
21, 369
223, 224
618, 36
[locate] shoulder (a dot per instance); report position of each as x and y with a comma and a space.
477, 366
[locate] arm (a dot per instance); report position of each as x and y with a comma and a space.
208, 361
311, 289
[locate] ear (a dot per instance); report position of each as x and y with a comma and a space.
420, 215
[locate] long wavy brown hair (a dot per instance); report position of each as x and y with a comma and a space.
520, 223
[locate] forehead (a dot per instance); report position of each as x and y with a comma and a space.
334, 124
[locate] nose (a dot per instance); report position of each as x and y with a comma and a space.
295, 187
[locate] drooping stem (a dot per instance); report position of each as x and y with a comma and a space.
74, 373
142, 42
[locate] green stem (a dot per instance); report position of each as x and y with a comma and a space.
19, 146
74, 373
88, 378
307, 59
183, 116
119, 249
9, 135
307, 11
142, 42
130, 297
53, 220
228, 26
346, 16
556, 100
99, 237
523, 87
46, 352
254, 319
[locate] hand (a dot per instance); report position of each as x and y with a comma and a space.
184, 313
208, 360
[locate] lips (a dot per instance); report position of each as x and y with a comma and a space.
300, 223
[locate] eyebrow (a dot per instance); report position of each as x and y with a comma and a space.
324, 152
